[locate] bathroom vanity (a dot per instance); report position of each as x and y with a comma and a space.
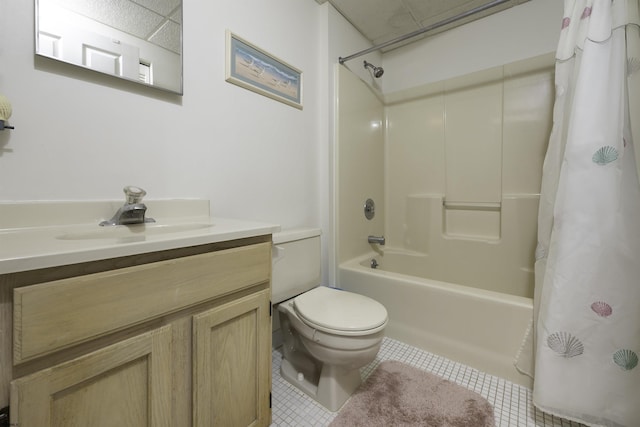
173, 331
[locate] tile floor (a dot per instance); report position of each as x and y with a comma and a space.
511, 402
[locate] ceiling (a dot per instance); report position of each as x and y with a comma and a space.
159, 21
156, 21
383, 20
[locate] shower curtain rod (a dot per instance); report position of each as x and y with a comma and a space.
444, 22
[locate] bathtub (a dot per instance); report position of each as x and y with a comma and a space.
477, 327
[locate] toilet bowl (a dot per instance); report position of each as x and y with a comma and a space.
328, 334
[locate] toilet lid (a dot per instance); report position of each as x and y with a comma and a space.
340, 312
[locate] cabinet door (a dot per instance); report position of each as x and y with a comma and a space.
232, 364
127, 384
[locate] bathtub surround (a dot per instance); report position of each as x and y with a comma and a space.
463, 172
587, 341
472, 145
399, 394
360, 148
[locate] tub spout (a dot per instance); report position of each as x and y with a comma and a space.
377, 240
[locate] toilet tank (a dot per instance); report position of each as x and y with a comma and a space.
296, 262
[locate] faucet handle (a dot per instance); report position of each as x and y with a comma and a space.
133, 194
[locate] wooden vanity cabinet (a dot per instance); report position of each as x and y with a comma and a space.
228, 372
180, 338
124, 384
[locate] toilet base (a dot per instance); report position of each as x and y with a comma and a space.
335, 385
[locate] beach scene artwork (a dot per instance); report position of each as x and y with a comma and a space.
254, 69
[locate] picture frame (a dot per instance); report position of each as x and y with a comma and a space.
252, 68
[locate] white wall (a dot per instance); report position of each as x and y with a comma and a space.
80, 135
524, 31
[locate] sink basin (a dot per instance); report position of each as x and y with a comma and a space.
131, 232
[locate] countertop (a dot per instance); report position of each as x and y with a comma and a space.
30, 245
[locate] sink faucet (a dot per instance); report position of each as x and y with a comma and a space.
133, 211
375, 239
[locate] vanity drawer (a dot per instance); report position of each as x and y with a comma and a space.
55, 315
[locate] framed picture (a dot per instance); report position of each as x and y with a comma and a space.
252, 68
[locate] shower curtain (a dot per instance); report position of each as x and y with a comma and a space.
587, 309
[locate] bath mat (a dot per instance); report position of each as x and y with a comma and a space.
397, 394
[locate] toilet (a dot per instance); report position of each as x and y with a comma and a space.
328, 334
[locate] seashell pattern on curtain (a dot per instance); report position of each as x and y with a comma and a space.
587, 322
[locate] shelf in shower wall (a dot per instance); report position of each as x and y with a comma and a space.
472, 220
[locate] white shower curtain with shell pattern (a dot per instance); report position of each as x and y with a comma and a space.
588, 254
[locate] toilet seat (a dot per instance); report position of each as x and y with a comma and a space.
340, 312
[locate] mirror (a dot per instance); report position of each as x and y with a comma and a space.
137, 40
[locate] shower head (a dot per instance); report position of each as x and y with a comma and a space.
377, 71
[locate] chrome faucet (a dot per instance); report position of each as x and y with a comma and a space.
377, 240
133, 211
